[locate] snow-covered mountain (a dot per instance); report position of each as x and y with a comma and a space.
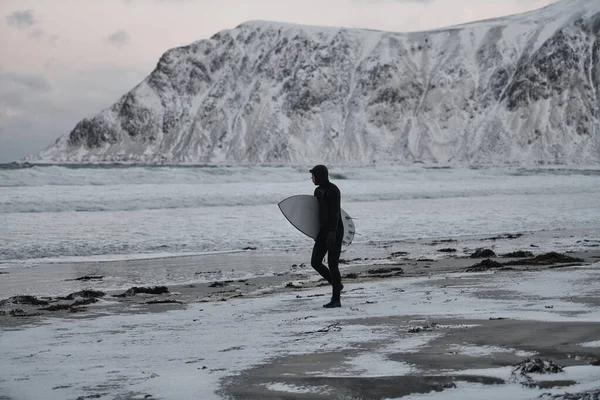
519, 89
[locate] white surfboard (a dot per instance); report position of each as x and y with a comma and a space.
302, 211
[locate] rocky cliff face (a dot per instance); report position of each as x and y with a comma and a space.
520, 89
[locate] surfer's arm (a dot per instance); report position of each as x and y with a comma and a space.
333, 200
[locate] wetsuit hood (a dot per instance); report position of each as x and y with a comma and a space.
321, 174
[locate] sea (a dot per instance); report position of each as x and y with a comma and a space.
202, 220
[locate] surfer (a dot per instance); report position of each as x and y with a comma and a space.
331, 232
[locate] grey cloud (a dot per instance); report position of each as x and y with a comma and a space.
35, 111
32, 82
53, 64
39, 34
26, 20
21, 19
20, 98
120, 38
36, 34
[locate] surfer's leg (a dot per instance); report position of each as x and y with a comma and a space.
316, 259
333, 259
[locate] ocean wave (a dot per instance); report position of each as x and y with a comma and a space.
124, 199
587, 171
60, 258
107, 175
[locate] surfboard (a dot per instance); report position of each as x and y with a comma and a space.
302, 211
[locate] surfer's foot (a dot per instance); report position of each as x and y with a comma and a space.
332, 304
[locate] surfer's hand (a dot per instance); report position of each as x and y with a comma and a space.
330, 241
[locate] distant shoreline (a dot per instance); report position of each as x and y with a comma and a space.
120, 164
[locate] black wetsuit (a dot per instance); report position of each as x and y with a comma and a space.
331, 233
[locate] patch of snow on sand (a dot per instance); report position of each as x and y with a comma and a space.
586, 378
559, 283
482, 351
372, 365
595, 343
411, 344
286, 388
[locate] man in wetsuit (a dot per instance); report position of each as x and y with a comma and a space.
331, 233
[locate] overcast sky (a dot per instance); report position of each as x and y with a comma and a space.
63, 60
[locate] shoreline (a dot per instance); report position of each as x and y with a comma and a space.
298, 277
55, 278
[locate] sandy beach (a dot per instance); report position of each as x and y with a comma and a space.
468, 322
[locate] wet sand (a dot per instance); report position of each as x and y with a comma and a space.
439, 363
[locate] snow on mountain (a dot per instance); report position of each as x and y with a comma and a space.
523, 89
